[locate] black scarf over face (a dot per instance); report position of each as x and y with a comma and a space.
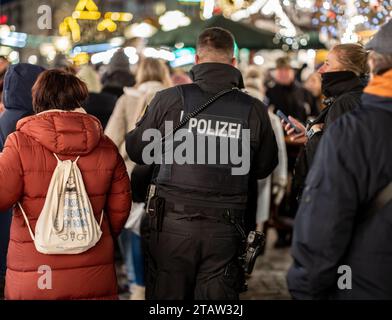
334, 84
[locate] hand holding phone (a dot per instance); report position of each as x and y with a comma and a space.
282, 116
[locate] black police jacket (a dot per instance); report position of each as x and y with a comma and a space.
218, 188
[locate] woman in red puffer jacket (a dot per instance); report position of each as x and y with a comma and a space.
27, 163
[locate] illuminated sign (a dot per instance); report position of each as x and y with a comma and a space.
119, 16
88, 5
70, 25
14, 39
107, 24
183, 57
88, 10
86, 15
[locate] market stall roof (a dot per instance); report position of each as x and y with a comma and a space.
246, 36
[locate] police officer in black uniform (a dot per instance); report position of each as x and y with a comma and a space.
195, 235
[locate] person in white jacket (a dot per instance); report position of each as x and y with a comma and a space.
152, 76
277, 181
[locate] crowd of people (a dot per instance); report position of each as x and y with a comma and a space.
321, 177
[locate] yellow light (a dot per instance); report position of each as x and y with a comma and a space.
81, 58
86, 4
107, 24
75, 34
119, 16
127, 17
86, 15
115, 16
70, 24
81, 5
63, 29
91, 6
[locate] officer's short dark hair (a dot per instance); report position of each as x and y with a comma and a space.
218, 40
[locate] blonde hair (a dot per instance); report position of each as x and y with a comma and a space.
353, 57
151, 69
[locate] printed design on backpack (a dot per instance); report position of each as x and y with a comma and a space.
66, 224
73, 218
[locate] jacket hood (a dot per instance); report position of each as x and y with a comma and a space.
63, 132
381, 85
214, 77
18, 82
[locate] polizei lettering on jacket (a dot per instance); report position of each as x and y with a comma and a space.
204, 141
215, 128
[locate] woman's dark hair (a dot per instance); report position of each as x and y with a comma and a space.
58, 89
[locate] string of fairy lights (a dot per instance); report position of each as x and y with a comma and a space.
338, 19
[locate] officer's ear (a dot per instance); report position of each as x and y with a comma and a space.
197, 59
234, 62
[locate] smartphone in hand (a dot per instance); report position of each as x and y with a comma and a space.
282, 116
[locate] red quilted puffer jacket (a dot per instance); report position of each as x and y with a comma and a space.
26, 167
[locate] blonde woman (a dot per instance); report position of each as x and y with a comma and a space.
152, 76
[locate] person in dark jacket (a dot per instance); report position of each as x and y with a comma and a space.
4, 63
17, 100
343, 78
287, 94
194, 241
118, 75
341, 248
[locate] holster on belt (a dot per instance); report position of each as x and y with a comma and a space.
155, 208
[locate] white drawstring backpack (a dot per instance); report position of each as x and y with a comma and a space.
67, 224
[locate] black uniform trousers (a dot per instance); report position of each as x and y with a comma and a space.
194, 257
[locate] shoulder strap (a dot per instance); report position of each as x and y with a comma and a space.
59, 160
27, 221
197, 111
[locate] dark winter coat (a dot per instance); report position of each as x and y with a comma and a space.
352, 164
101, 106
293, 100
17, 99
